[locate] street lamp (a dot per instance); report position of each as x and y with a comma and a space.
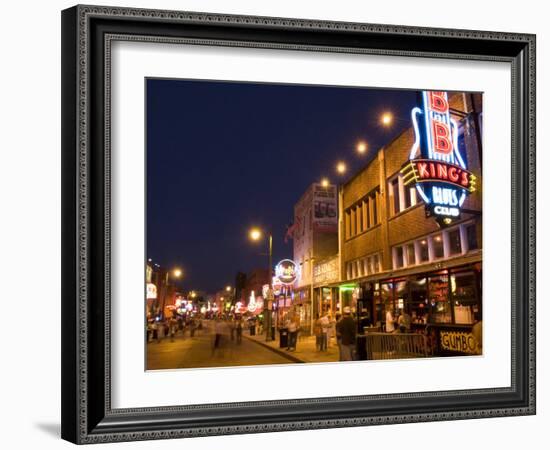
324, 182
386, 119
341, 168
228, 288
256, 234
361, 147
176, 273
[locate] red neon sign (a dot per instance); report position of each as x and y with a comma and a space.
438, 101
429, 170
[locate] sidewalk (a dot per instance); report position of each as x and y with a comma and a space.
305, 349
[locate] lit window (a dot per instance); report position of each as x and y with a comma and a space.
437, 243
376, 263
368, 266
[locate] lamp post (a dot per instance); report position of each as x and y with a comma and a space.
255, 235
176, 273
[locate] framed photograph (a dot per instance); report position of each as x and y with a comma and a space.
281, 224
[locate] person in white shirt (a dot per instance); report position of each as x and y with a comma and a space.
390, 321
325, 326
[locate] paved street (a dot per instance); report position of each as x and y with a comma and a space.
197, 351
305, 349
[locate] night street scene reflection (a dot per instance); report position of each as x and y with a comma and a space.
292, 223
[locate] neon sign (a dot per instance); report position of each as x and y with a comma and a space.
151, 291
435, 166
287, 271
252, 302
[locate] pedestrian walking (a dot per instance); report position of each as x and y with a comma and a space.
325, 327
239, 329
173, 327
331, 329
346, 330
293, 327
317, 332
232, 324
218, 331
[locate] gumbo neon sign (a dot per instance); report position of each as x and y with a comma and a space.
436, 167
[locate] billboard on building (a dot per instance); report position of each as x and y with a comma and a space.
325, 212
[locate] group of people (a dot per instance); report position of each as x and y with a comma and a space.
402, 323
323, 329
228, 329
171, 326
347, 328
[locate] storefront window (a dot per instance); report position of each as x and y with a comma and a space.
377, 313
401, 296
411, 258
472, 237
418, 302
386, 301
376, 263
424, 252
455, 246
438, 297
464, 297
438, 246
398, 255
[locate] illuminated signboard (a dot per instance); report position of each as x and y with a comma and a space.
436, 167
151, 291
457, 341
287, 271
252, 302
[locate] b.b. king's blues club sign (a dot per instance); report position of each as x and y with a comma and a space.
436, 165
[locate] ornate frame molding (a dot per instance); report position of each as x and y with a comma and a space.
85, 422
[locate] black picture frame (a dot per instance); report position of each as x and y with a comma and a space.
87, 415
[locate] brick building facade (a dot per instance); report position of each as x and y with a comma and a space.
395, 258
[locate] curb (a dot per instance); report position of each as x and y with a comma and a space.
276, 350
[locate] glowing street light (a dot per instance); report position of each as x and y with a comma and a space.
177, 273
341, 167
386, 119
324, 182
193, 294
361, 147
228, 288
255, 234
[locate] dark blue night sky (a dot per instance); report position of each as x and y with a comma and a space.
222, 157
